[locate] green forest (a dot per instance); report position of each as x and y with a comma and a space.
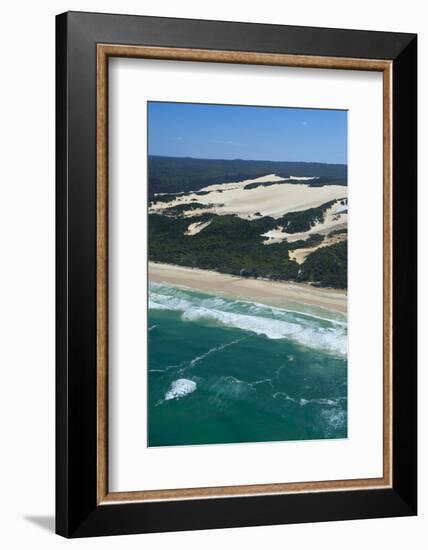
175, 175
234, 245
301, 221
327, 266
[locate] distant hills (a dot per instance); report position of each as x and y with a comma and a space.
183, 174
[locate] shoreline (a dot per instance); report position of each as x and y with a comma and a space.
288, 295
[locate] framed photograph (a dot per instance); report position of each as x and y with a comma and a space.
236, 274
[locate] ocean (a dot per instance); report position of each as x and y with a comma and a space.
229, 371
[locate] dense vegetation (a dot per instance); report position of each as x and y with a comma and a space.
181, 209
327, 266
298, 222
164, 198
312, 240
256, 184
338, 231
229, 244
321, 181
233, 245
318, 182
174, 174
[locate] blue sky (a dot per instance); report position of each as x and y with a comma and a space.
255, 133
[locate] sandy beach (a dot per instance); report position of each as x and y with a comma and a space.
297, 296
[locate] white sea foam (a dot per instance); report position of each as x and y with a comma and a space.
180, 388
327, 339
234, 380
186, 365
320, 401
331, 402
285, 396
156, 305
276, 311
216, 349
334, 420
264, 381
273, 323
165, 296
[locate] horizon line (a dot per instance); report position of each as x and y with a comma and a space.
248, 160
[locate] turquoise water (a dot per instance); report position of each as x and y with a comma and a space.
227, 371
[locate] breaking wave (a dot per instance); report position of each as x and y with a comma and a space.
274, 323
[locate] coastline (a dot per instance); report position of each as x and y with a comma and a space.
288, 295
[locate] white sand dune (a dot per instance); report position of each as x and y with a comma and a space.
332, 221
273, 200
241, 184
300, 254
196, 227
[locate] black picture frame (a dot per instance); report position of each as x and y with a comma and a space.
78, 513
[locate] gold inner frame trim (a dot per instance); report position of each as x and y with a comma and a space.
104, 51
